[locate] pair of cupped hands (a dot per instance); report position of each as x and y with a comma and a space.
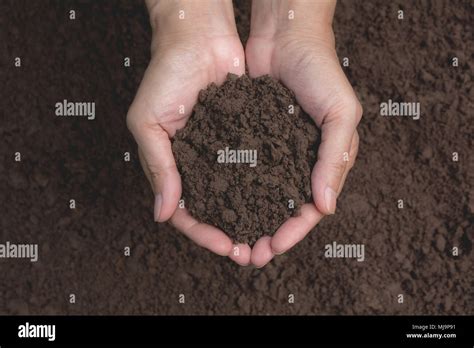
196, 43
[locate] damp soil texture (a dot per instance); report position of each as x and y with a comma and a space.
408, 250
245, 157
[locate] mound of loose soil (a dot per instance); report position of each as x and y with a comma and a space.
246, 156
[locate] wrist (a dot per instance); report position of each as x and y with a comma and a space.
174, 19
274, 18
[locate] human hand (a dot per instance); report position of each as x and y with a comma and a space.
300, 52
194, 43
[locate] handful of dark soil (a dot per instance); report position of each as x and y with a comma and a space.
245, 157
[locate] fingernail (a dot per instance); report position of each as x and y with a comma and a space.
158, 202
330, 198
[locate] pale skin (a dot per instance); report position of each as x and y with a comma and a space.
190, 52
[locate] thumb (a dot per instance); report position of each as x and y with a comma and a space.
160, 168
337, 130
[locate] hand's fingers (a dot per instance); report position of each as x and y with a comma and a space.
295, 229
204, 235
159, 165
337, 130
262, 252
241, 254
258, 53
351, 160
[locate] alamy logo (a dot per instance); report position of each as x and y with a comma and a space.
237, 156
336, 250
37, 331
391, 108
21, 251
83, 109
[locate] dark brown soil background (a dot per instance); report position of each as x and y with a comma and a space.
246, 201
81, 250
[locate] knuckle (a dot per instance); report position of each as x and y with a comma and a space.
138, 125
133, 122
353, 107
359, 111
338, 168
347, 111
154, 171
356, 108
353, 150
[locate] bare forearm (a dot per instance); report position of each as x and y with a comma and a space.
275, 17
191, 15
